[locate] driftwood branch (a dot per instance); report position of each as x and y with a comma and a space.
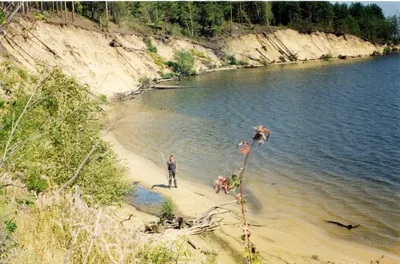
10, 184
129, 218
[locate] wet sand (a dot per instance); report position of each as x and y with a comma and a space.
281, 239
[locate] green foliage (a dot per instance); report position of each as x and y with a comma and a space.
167, 208
78, 7
2, 103
231, 60
55, 134
3, 20
35, 183
387, 51
159, 254
10, 226
183, 64
199, 54
103, 99
168, 75
150, 47
326, 57
40, 16
157, 59
375, 53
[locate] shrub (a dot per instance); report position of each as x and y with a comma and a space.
375, 53
103, 99
394, 49
326, 57
168, 75
11, 226
150, 47
183, 64
55, 134
167, 208
231, 60
387, 50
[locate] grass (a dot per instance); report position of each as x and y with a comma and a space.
157, 59
198, 54
46, 231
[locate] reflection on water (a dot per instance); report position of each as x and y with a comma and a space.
334, 153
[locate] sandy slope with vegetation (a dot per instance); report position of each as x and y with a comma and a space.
85, 52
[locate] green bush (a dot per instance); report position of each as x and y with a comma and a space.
167, 208
103, 99
387, 50
326, 57
183, 63
168, 75
231, 60
150, 46
3, 20
11, 226
55, 134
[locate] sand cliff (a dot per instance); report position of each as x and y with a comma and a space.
89, 55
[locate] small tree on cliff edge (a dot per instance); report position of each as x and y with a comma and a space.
231, 184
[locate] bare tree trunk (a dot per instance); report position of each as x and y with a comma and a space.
53, 6
73, 11
92, 11
191, 20
23, 8
231, 21
65, 13
41, 6
100, 24
106, 16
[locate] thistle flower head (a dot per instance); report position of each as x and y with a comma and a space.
262, 134
244, 147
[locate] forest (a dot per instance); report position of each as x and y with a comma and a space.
211, 19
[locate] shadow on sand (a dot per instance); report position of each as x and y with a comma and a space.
160, 186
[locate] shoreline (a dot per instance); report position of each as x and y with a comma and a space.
312, 63
285, 239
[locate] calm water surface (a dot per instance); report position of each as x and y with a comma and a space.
334, 153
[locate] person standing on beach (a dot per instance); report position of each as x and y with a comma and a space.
172, 171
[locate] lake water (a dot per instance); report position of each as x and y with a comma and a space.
334, 153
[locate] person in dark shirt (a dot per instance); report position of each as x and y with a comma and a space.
172, 171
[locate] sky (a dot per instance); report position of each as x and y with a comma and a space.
389, 8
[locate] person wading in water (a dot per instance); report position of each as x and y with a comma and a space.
172, 171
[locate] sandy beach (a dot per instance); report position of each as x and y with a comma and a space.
282, 239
